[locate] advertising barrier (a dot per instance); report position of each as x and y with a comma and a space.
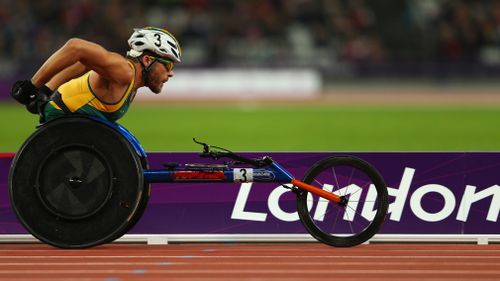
429, 193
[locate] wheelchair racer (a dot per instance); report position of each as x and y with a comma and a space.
84, 78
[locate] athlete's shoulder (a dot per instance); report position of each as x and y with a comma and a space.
108, 64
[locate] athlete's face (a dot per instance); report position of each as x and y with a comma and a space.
161, 71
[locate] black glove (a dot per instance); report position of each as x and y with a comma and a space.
43, 95
45, 91
24, 91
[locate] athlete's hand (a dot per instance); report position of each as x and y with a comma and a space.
24, 91
43, 94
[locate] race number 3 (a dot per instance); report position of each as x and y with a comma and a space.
158, 37
243, 175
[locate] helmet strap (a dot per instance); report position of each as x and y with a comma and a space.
146, 69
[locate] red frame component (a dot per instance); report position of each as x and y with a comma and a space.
199, 175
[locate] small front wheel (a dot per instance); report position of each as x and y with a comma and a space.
359, 216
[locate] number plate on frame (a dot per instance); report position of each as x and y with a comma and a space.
243, 175
253, 175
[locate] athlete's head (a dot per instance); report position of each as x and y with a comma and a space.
158, 51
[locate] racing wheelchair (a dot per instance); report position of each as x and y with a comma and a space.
80, 181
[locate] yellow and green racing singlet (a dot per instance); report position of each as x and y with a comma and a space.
78, 96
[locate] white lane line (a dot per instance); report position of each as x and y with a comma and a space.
252, 271
329, 250
445, 263
247, 257
246, 278
453, 251
159, 263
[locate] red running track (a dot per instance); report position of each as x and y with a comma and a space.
290, 262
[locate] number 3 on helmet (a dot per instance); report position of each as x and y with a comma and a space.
156, 40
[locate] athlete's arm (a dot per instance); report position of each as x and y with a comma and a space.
109, 65
71, 72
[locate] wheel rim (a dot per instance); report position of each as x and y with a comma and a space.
344, 224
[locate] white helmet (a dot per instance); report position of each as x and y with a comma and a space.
156, 40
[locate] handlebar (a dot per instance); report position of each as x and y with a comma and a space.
220, 152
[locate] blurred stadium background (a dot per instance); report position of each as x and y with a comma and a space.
299, 75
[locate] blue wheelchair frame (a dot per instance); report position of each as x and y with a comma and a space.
268, 172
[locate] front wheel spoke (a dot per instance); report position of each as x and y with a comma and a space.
326, 215
349, 222
351, 175
357, 214
367, 184
356, 191
336, 220
364, 187
335, 178
320, 184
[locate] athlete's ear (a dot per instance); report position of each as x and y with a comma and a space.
146, 60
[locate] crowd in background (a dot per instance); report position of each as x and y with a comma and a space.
332, 35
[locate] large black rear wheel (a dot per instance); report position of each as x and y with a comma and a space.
77, 183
